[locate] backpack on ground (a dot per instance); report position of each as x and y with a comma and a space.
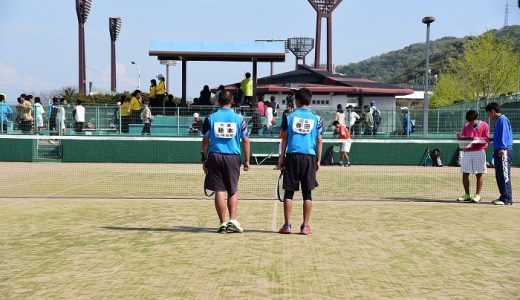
377, 116
329, 157
436, 158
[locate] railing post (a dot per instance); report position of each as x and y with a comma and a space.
97, 120
178, 121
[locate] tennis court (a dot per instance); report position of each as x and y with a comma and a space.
147, 231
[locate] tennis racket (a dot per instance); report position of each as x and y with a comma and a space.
428, 162
279, 187
207, 192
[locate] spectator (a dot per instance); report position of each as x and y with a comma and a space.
6, 114
246, 85
223, 131
269, 120
79, 116
302, 143
340, 115
289, 100
161, 91
476, 132
220, 89
90, 125
376, 115
53, 111
353, 117
60, 117
125, 113
256, 119
136, 104
196, 126
368, 121
38, 113
346, 143
502, 153
205, 96
152, 97
147, 118
169, 105
239, 96
407, 122
275, 106
27, 118
261, 106
183, 103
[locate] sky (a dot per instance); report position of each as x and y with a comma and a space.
39, 39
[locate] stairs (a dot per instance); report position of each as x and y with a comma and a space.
48, 151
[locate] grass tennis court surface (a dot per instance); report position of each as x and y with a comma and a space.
143, 231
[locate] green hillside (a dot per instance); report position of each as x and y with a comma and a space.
407, 65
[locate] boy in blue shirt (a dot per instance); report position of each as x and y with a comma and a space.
502, 153
300, 156
223, 132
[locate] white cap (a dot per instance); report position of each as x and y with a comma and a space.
404, 108
196, 115
160, 76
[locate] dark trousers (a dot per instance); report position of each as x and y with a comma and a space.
124, 123
146, 129
503, 175
136, 117
78, 126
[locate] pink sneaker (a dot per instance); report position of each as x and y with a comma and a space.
286, 229
305, 230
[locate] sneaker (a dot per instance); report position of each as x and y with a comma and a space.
305, 230
476, 198
234, 226
498, 202
222, 228
508, 203
465, 197
348, 164
286, 229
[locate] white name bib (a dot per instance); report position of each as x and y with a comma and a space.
225, 130
302, 126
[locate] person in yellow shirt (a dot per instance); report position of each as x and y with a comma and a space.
125, 113
247, 88
135, 107
160, 92
153, 93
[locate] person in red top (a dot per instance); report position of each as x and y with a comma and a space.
344, 135
473, 138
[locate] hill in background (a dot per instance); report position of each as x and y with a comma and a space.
407, 65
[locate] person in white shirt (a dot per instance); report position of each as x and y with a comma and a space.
79, 116
60, 117
269, 120
38, 113
352, 117
340, 115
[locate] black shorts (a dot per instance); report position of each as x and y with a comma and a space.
300, 168
223, 172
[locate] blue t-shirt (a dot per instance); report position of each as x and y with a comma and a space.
225, 129
503, 134
302, 128
5, 112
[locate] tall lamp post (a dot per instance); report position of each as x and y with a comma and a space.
426, 102
138, 75
168, 63
114, 26
82, 10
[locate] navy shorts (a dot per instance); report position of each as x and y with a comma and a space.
223, 172
300, 168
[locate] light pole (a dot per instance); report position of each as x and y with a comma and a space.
138, 75
168, 63
426, 102
82, 10
114, 26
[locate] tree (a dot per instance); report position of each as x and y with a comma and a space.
68, 93
488, 68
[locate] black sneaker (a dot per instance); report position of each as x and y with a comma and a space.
222, 228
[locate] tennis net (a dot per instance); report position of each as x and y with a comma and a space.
169, 167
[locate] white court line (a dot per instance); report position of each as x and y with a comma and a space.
275, 216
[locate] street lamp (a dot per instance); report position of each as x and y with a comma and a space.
138, 75
82, 10
114, 26
426, 102
168, 63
